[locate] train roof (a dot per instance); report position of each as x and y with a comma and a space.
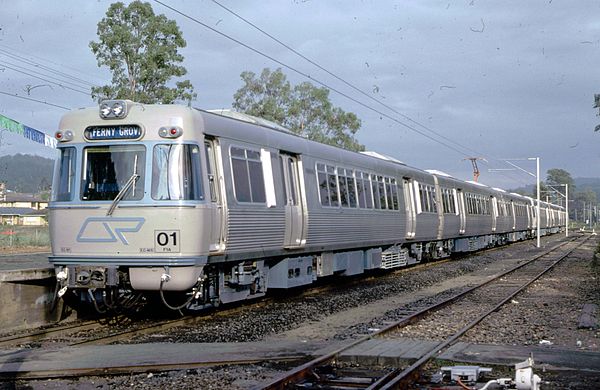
439, 173
476, 183
249, 118
382, 156
267, 133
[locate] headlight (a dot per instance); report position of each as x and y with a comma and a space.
113, 109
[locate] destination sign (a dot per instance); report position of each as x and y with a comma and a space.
97, 133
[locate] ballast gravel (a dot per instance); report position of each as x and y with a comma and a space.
549, 313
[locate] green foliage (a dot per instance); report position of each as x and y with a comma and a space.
587, 195
304, 108
26, 173
597, 105
141, 50
556, 177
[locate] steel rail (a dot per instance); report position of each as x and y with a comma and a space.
402, 379
64, 330
305, 371
296, 375
46, 334
129, 334
136, 368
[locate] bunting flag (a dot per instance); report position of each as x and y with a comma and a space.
27, 132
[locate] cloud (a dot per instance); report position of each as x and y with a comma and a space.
505, 79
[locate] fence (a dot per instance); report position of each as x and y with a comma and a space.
24, 236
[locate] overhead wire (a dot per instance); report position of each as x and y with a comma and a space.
46, 78
331, 74
75, 80
28, 61
30, 55
357, 89
33, 100
78, 84
347, 83
297, 71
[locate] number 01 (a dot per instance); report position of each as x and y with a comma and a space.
164, 239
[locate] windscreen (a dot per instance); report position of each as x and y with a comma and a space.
107, 169
64, 175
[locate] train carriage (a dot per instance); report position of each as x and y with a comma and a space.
216, 207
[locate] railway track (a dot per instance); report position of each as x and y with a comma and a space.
107, 331
466, 309
107, 334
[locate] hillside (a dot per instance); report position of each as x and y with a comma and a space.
581, 184
33, 174
588, 183
26, 173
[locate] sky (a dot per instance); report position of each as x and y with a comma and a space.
440, 81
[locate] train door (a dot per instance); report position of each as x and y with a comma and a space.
494, 213
293, 185
216, 193
462, 212
513, 214
410, 207
440, 208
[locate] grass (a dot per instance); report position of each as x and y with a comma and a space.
15, 237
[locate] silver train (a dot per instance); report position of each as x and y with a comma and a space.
201, 208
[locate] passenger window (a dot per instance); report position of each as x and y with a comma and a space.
323, 185
351, 189
376, 195
395, 195
343, 185
248, 179
291, 168
368, 193
210, 171
333, 190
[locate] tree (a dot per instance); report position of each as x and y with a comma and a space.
557, 177
597, 105
304, 109
584, 202
141, 50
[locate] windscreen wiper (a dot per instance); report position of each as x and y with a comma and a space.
121, 194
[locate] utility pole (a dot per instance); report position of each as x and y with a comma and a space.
566, 197
537, 180
567, 209
537, 174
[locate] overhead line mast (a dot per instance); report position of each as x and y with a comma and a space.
475, 167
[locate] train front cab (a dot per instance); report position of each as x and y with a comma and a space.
128, 209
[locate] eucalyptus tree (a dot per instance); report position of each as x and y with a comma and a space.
304, 108
141, 49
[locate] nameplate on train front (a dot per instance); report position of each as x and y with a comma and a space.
97, 133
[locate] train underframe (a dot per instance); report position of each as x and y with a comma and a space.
111, 289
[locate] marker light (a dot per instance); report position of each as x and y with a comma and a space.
113, 109
170, 132
63, 136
